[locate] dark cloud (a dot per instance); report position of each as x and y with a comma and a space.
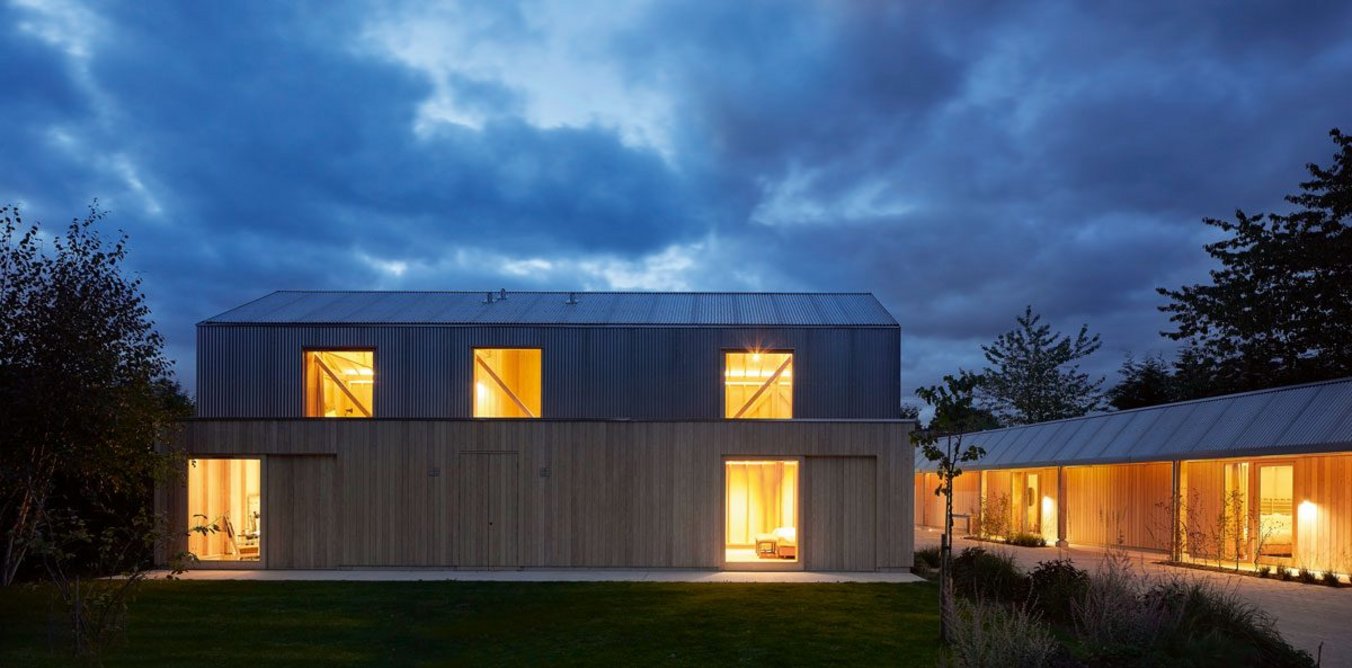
961, 160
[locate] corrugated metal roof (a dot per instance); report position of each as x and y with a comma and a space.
552, 308
1316, 417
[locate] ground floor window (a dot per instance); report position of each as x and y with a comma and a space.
225, 521
1276, 521
762, 511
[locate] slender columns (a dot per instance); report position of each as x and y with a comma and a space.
1061, 506
982, 502
1176, 519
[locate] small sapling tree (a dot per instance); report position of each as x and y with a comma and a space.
941, 443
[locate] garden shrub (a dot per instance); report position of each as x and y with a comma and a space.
1214, 626
989, 576
986, 634
1329, 578
1113, 620
928, 556
1056, 587
1307, 576
1128, 618
1264, 571
1027, 540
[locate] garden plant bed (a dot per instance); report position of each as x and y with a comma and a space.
478, 623
1273, 575
1003, 541
1117, 615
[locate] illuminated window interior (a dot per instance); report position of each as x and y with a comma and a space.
758, 385
507, 382
1276, 524
340, 383
762, 511
225, 521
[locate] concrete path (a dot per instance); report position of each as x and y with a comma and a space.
1306, 614
543, 575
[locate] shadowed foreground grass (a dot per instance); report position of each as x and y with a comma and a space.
268, 623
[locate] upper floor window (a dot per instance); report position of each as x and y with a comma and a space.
339, 383
758, 385
507, 382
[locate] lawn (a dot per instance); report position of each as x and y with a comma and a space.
268, 623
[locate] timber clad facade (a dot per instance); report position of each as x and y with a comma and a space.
1262, 478
587, 430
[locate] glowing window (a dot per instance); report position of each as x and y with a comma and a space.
762, 511
507, 382
758, 385
225, 520
339, 383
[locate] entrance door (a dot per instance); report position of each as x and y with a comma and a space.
1032, 496
300, 512
840, 512
486, 534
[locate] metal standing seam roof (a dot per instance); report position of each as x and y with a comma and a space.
672, 309
1310, 418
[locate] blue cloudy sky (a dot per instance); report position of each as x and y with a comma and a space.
958, 159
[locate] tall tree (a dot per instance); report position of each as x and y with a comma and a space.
85, 387
1033, 375
955, 415
1148, 382
1278, 309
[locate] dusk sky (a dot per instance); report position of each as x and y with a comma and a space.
957, 159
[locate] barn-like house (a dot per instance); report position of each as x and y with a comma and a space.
1255, 479
547, 429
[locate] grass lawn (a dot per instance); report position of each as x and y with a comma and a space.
266, 623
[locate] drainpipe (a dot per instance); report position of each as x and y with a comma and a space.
1061, 507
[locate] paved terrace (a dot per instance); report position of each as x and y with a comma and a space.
1306, 614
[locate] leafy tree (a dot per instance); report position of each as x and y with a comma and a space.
87, 393
910, 412
1277, 310
1033, 376
941, 443
974, 418
1156, 380
1149, 382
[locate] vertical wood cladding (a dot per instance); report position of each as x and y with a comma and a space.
420, 493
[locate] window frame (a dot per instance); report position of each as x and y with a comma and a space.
305, 380
797, 564
218, 564
723, 380
473, 367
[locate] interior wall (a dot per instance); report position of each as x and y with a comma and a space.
929, 507
218, 495
761, 497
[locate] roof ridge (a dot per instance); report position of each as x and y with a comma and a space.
547, 307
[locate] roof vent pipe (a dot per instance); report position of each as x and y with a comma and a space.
488, 297
572, 299
502, 295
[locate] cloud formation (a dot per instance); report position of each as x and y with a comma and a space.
958, 159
